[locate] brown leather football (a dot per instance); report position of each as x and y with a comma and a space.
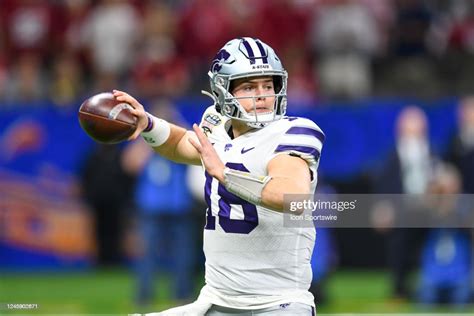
107, 120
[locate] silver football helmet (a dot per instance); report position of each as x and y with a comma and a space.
243, 58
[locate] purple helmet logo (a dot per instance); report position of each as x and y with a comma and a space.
221, 56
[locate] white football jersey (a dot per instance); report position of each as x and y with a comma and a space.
252, 260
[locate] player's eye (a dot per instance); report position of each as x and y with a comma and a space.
248, 88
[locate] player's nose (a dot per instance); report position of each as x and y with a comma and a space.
260, 93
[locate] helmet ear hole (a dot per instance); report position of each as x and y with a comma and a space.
277, 83
216, 98
281, 106
231, 86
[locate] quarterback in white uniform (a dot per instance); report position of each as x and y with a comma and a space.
253, 156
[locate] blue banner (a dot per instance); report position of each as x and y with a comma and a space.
43, 222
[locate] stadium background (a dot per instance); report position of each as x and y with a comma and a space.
352, 77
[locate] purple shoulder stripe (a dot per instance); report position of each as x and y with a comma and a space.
300, 130
304, 149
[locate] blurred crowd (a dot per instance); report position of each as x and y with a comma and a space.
442, 255
64, 49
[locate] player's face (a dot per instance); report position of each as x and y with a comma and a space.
256, 92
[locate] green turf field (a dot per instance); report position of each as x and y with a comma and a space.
111, 292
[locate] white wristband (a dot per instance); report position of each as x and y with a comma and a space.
159, 132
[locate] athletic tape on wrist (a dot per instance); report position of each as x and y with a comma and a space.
245, 185
158, 132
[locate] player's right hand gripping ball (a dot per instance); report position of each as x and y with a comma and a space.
107, 120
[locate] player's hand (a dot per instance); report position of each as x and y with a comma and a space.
211, 161
138, 111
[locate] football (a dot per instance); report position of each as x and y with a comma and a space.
107, 120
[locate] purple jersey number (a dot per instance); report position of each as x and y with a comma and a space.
237, 226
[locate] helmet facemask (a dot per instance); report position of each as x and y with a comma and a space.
230, 106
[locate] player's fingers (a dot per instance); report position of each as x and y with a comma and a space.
134, 135
120, 95
125, 97
142, 121
137, 112
198, 132
201, 136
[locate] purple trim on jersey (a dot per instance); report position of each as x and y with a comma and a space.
300, 130
262, 52
210, 220
249, 51
207, 189
237, 166
304, 149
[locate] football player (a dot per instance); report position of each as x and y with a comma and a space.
253, 155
